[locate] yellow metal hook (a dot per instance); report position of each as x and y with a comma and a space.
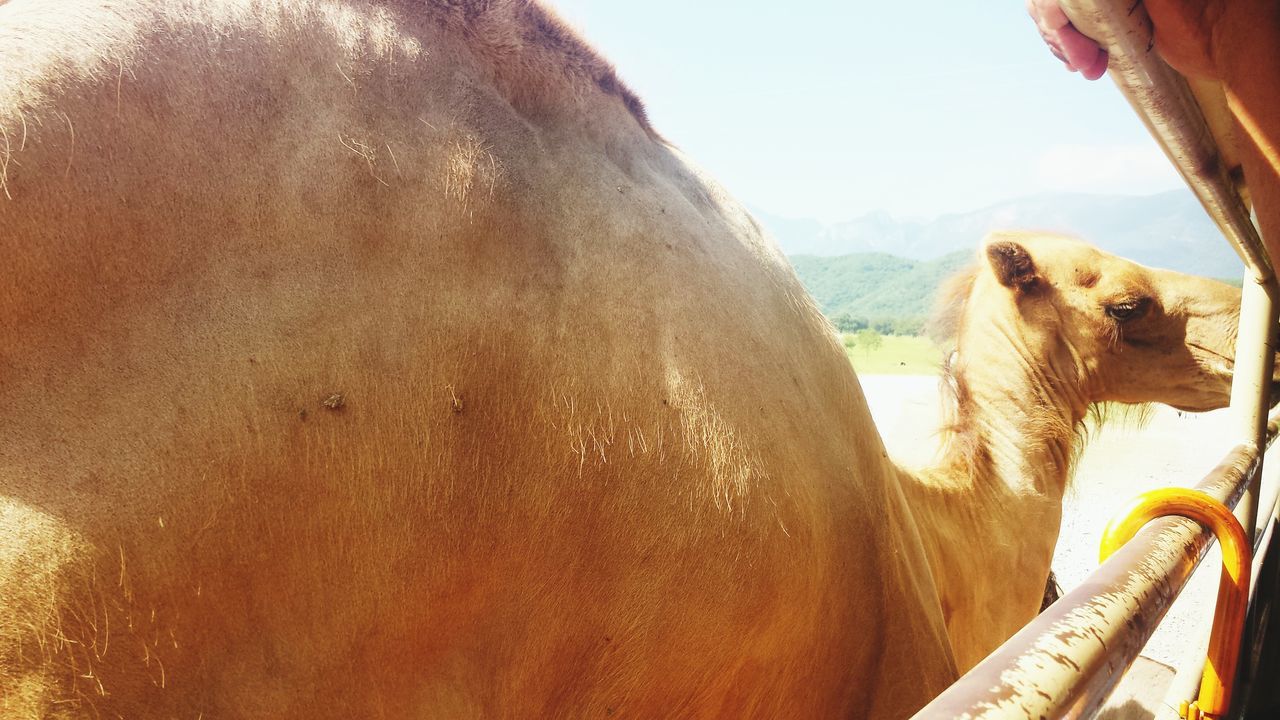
1233, 588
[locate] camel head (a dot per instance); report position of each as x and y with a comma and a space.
1107, 329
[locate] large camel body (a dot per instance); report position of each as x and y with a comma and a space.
378, 359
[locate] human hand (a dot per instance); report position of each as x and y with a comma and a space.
1077, 52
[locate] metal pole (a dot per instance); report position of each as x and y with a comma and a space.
1251, 384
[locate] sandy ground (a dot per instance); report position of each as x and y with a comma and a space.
1119, 462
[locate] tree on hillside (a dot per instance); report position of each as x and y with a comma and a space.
847, 323
869, 340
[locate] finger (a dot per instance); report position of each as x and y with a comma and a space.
1080, 51
1097, 69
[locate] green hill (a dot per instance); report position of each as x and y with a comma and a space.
890, 293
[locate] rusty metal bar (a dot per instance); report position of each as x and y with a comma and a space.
1164, 102
1068, 660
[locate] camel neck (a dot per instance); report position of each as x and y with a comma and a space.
989, 512
1014, 421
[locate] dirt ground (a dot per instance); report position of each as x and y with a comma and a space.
1119, 462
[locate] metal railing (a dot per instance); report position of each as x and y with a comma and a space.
1068, 660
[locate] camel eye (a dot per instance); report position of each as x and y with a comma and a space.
1128, 310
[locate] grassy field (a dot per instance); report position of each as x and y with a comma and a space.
905, 355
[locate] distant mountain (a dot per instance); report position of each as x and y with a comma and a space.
1166, 230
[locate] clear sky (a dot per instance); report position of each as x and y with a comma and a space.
834, 108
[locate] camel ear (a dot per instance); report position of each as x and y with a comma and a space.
1013, 265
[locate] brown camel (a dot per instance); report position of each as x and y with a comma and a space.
1055, 327
378, 359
